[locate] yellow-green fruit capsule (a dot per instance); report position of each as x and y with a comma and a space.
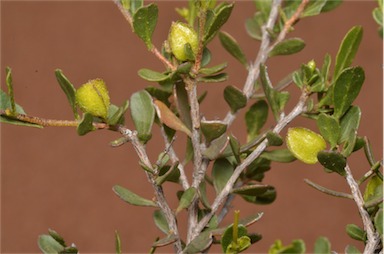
93, 98
305, 144
179, 35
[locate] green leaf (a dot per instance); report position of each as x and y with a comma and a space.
351, 250
263, 199
379, 222
214, 78
333, 161
216, 148
242, 244
68, 89
255, 118
117, 116
117, 243
235, 146
151, 75
331, 5
132, 5
374, 189
232, 47
169, 239
5, 104
276, 100
274, 139
322, 246
212, 129
159, 93
172, 174
329, 128
348, 49
132, 198
8, 80
235, 98
326, 66
182, 104
254, 25
349, 123
214, 69
346, 89
295, 247
57, 237
203, 195
313, 8
355, 232
281, 155
144, 23
49, 245
199, 244
186, 199
227, 236
161, 221
169, 118
216, 21
86, 125
221, 172
143, 114
252, 189
287, 47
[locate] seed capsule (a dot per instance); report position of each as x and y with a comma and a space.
180, 34
93, 98
305, 144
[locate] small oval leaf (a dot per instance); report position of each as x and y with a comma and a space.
235, 98
255, 118
232, 47
355, 232
186, 199
329, 128
151, 75
333, 161
346, 89
212, 129
142, 113
348, 49
221, 172
287, 47
132, 198
144, 23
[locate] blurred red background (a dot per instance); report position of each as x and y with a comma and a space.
52, 178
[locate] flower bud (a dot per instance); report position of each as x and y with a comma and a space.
93, 98
179, 35
305, 144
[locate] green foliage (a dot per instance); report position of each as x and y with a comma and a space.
144, 22
143, 114
132, 198
53, 243
295, 247
172, 101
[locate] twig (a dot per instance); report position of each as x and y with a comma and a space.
49, 122
284, 121
372, 236
159, 194
328, 191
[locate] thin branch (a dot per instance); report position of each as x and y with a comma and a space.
159, 194
283, 122
373, 238
49, 122
328, 191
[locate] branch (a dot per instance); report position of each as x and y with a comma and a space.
49, 122
373, 238
159, 194
283, 122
